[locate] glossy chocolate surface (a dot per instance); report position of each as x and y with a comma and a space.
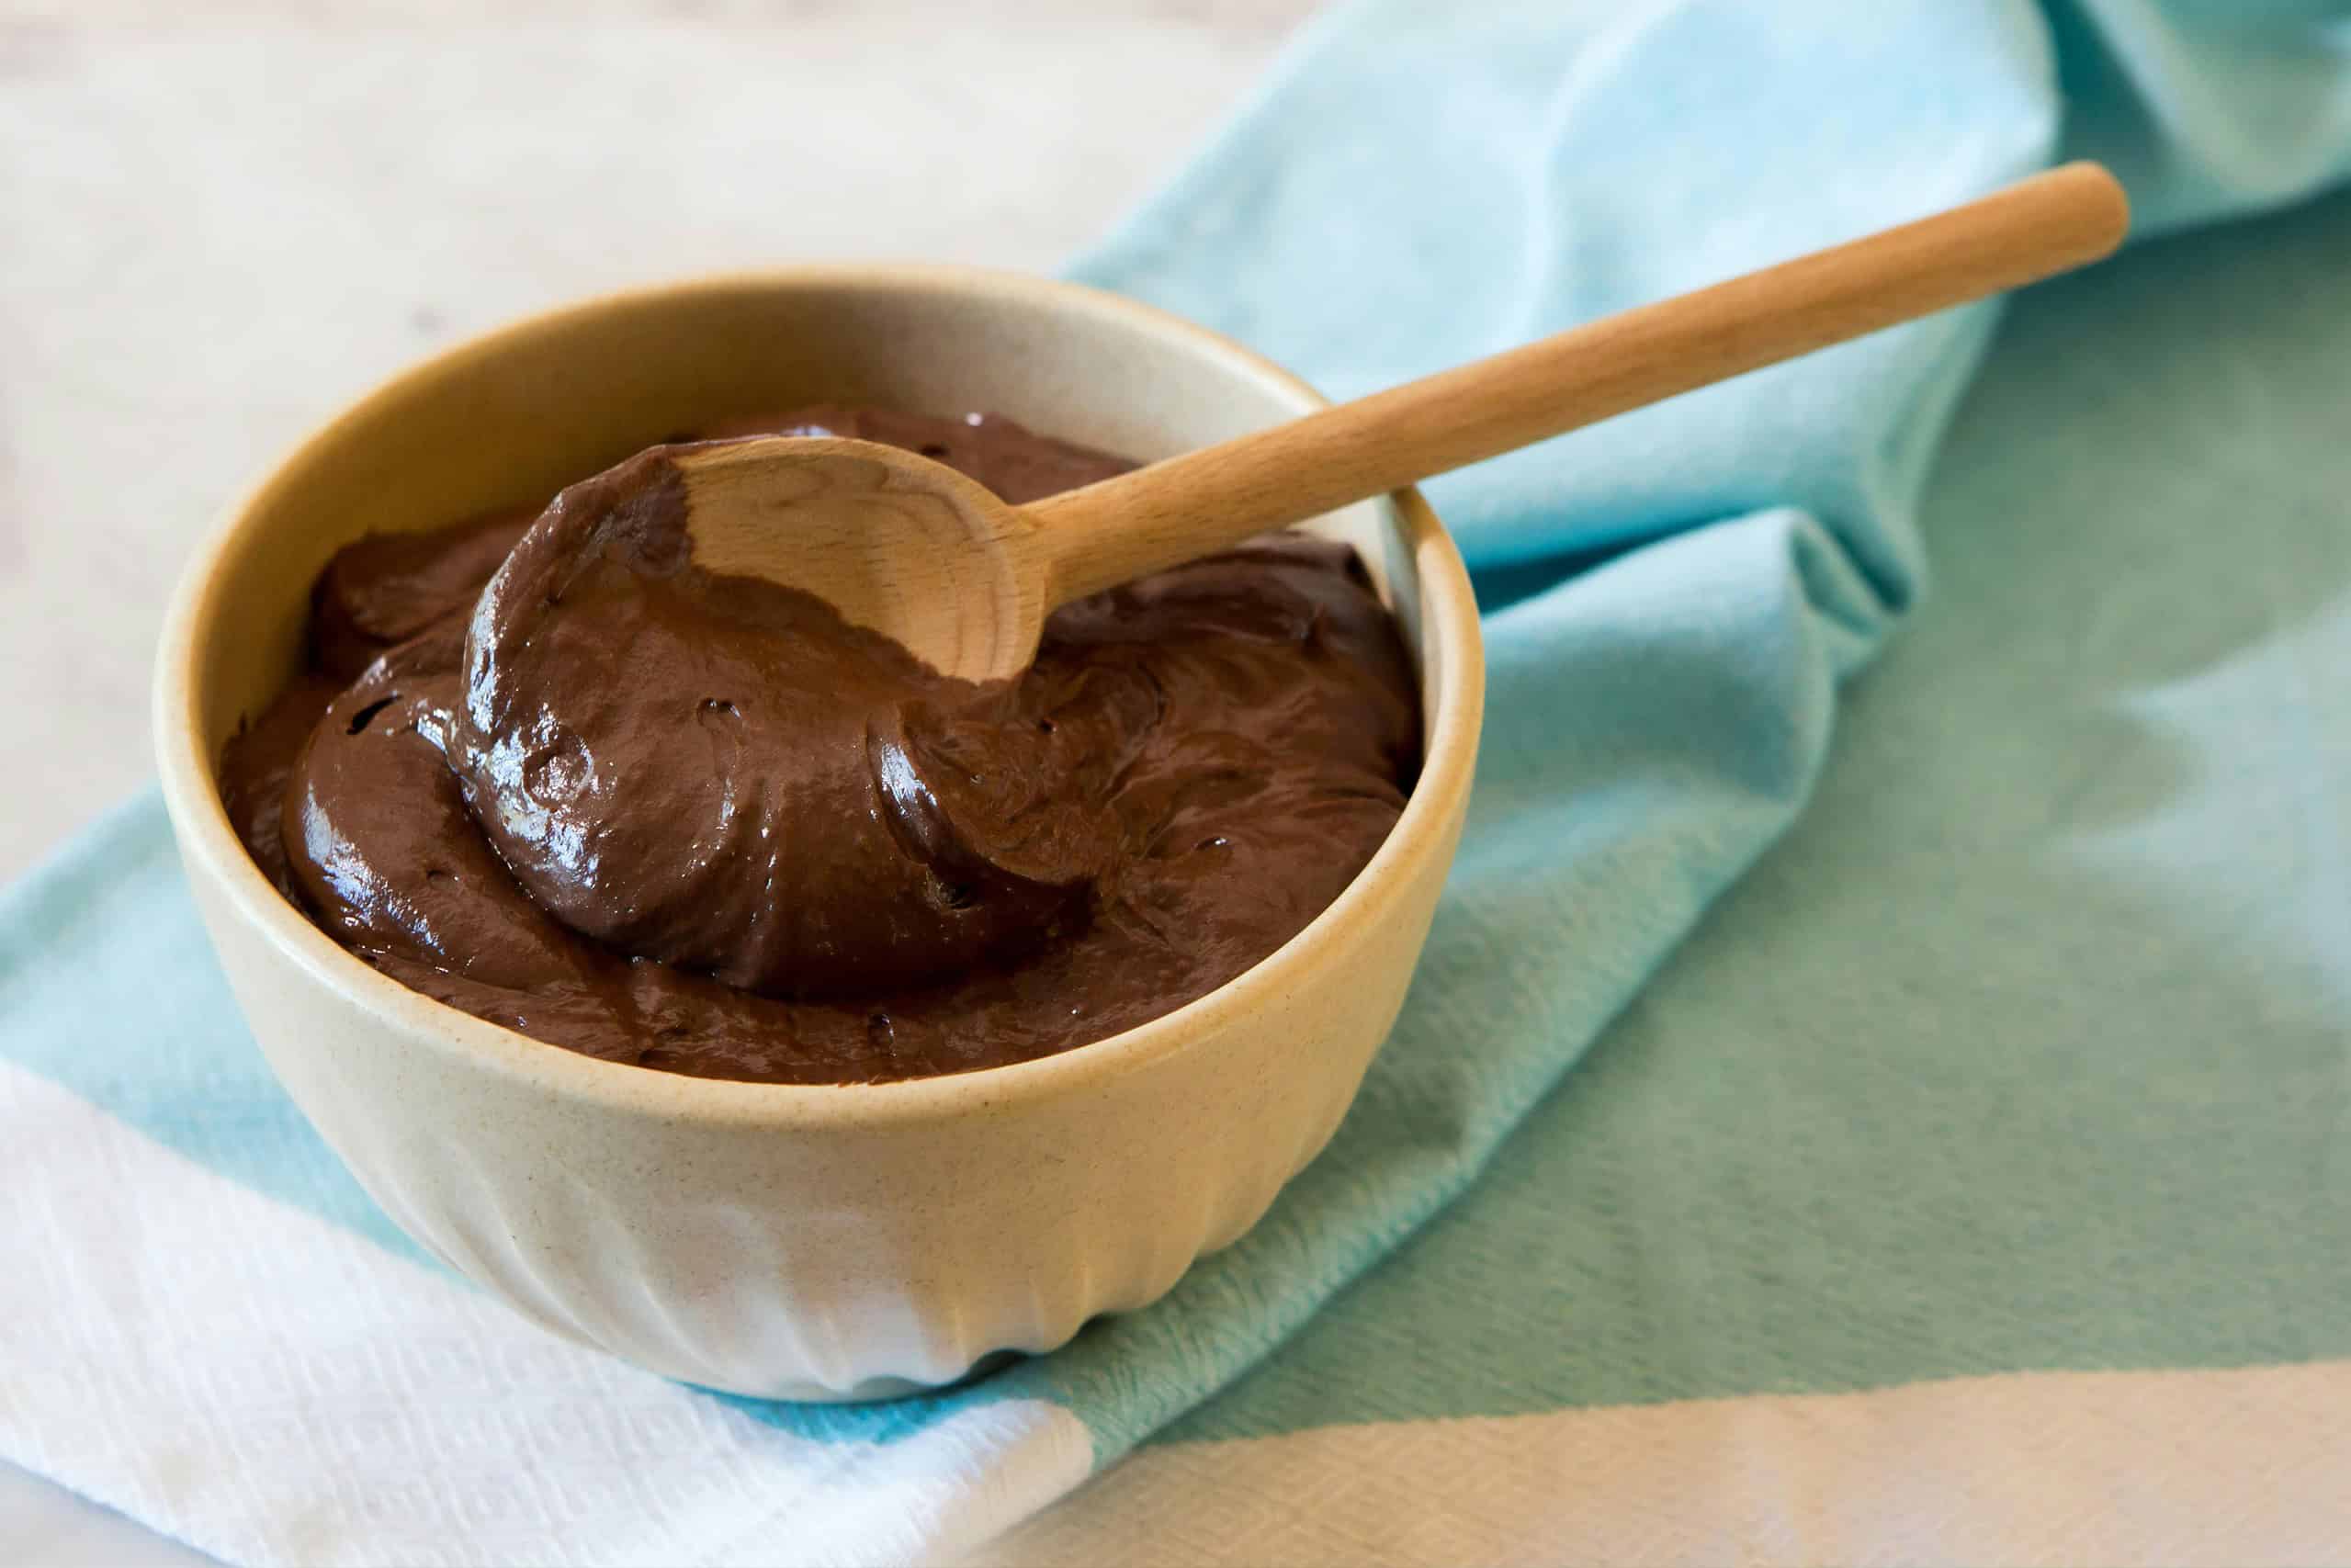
862, 870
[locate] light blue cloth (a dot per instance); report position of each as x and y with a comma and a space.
1913, 1069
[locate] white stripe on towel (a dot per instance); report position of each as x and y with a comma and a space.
2237, 1467
271, 1389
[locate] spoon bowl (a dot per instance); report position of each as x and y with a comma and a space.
895, 542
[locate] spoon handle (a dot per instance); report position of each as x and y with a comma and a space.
1208, 499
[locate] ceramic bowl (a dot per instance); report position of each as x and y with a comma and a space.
828, 1242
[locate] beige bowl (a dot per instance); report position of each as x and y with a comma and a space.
803, 1241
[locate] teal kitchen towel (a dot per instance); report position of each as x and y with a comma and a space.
1954, 1085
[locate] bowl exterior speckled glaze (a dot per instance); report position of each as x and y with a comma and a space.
802, 1242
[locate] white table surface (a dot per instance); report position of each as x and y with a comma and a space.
213, 233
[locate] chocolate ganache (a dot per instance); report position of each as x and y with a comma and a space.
865, 870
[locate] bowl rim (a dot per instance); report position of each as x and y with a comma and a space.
211, 847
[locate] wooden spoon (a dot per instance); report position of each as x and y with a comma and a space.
914, 549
